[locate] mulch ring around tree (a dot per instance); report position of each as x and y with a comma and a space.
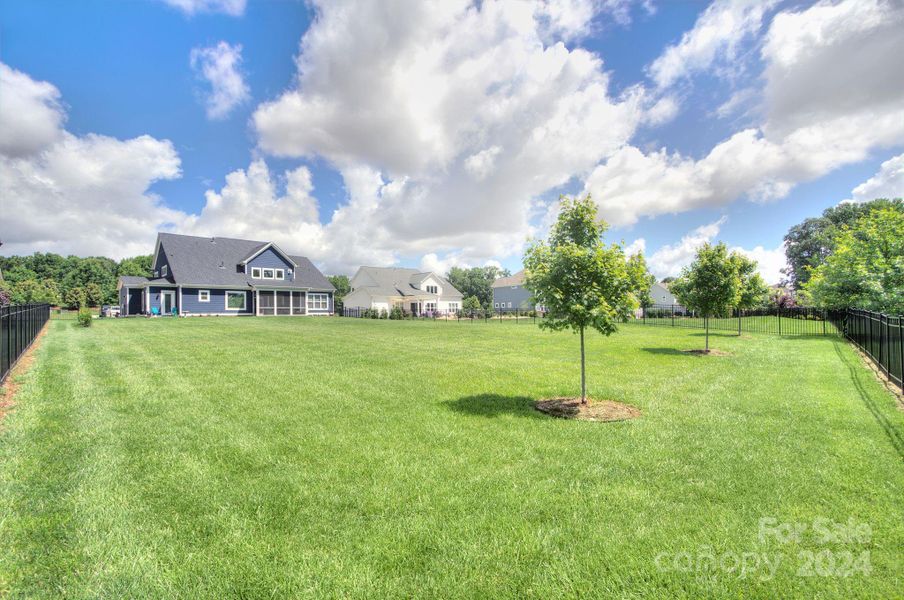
594, 410
710, 352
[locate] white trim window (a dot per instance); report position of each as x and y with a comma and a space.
509, 304
318, 301
430, 306
203, 295
255, 272
432, 289
279, 274
164, 270
496, 305
266, 273
453, 306
232, 296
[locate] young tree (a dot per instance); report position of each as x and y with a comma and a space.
644, 280
711, 284
582, 282
471, 303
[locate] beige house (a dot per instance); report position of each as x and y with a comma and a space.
382, 288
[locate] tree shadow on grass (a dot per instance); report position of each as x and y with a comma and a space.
670, 351
494, 405
895, 436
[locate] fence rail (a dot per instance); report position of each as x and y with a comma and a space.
511, 314
881, 337
799, 320
19, 326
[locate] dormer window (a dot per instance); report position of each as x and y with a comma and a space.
432, 289
164, 270
267, 273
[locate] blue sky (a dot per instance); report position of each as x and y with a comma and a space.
390, 137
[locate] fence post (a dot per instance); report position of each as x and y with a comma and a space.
779, 313
673, 315
901, 347
739, 322
825, 315
643, 314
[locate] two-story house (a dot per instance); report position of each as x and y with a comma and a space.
382, 288
224, 276
509, 293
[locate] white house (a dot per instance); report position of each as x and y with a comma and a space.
382, 288
660, 294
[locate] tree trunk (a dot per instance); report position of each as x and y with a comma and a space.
707, 334
583, 375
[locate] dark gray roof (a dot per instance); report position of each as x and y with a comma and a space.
395, 281
215, 261
132, 280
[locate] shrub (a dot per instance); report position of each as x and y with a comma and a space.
396, 313
384, 314
84, 317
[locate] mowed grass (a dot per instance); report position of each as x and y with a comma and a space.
306, 457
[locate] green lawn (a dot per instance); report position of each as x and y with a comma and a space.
282, 457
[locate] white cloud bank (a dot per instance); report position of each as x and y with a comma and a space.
829, 101
887, 183
219, 66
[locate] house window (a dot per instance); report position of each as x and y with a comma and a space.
235, 300
453, 306
318, 301
279, 274
496, 305
430, 306
432, 289
164, 270
256, 272
203, 295
510, 305
267, 274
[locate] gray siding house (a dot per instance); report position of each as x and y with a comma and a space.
509, 293
383, 288
225, 276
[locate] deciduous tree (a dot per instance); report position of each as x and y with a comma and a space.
582, 282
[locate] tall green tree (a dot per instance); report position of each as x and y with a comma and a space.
471, 303
637, 267
136, 266
866, 270
810, 243
582, 282
477, 281
341, 283
711, 285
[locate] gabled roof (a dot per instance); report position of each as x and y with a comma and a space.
217, 261
263, 247
393, 281
516, 279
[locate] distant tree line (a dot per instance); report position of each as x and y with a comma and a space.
69, 281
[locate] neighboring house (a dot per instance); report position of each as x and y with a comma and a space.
224, 276
382, 288
660, 294
509, 293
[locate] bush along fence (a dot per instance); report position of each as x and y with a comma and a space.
19, 326
881, 337
798, 320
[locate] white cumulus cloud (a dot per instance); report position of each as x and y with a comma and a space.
220, 67
887, 183
235, 8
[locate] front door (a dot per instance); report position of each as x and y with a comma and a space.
167, 302
414, 308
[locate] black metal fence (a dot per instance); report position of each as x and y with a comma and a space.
486, 316
19, 326
798, 320
881, 337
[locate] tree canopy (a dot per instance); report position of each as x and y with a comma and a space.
866, 268
810, 243
70, 281
476, 282
582, 282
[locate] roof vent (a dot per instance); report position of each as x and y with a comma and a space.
213, 240
222, 266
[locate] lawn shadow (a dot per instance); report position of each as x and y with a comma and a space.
494, 405
671, 351
856, 371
